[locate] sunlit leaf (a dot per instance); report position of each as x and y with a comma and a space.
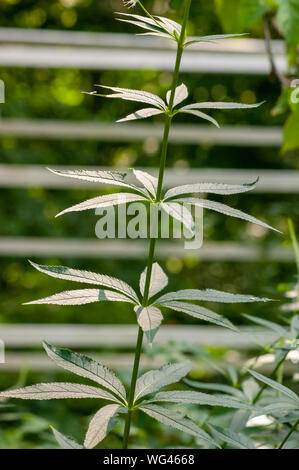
81, 297
181, 93
208, 295
65, 442
214, 188
100, 425
141, 114
186, 396
149, 182
158, 281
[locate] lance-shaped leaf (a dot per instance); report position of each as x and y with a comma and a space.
213, 188
65, 442
220, 105
81, 297
232, 438
112, 178
224, 209
154, 380
149, 182
84, 366
158, 281
267, 324
87, 277
170, 25
100, 425
201, 313
185, 396
141, 114
58, 390
104, 201
276, 385
135, 95
208, 295
181, 93
180, 213
216, 387
176, 420
199, 114
211, 38
149, 319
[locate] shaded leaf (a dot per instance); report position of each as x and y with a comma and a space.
214, 386
65, 442
212, 38
233, 438
135, 95
199, 114
149, 319
154, 380
186, 396
176, 420
276, 385
267, 324
86, 367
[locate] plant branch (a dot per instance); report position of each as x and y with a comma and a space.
280, 362
167, 125
268, 42
293, 428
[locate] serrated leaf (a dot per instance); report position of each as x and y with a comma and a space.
149, 319
100, 425
135, 95
65, 442
186, 396
149, 182
57, 390
213, 188
233, 438
175, 420
181, 93
154, 380
221, 105
201, 313
84, 366
199, 114
273, 384
81, 297
158, 281
224, 209
141, 114
216, 387
180, 213
87, 277
113, 178
104, 201
208, 295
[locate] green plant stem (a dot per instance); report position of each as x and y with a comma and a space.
167, 125
293, 428
276, 368
294, 242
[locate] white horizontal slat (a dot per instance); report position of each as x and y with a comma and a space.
193, 134
135, 249
125, 40
208, 58
124, 336
271, 181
